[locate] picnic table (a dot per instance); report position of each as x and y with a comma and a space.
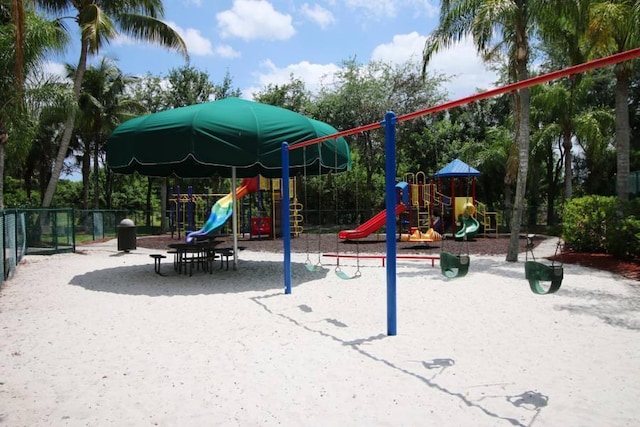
198, 255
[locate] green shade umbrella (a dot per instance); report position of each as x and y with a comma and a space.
212, 138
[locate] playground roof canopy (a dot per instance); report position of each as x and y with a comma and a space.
457, 169
204, 139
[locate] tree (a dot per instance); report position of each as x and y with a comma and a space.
20, 53
99, 22
103, 106
225, 89
188, 86
292, 95
563, 112
613, 28
49, 102
361, 94
565, 43
496, 26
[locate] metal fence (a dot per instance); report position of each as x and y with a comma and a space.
49, 231
12, 241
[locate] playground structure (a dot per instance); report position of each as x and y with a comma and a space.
424, 210
379, 220
197, 215
426, 207
467, 212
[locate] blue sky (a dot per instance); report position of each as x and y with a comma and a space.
262, 42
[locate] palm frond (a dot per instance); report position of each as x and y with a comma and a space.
146, 28
96, 26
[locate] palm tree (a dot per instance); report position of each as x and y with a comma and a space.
49, 100
613, 27
18, 19
484, 20
102, 108
20, 54
100, 21
565, 44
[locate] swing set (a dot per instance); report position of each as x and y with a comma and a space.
309, 265
535, 272
452, 265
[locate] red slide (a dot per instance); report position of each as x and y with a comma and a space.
370, 226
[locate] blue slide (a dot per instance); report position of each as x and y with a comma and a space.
222, 210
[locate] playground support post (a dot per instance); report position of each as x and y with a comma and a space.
390, 190
286, 225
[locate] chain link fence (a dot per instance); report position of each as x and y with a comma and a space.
39, 231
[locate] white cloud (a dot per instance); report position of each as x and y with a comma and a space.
123, 40
318, 14
254, 19
196, 44
377, 8
380, 9
226, 51
427, 8
56, 69
403, 48
312, 74
468, 70
461, 62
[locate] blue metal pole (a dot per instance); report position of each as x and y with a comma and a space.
286, 224
391, 200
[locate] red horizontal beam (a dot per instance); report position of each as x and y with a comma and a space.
554, 75
336, 135
432, 258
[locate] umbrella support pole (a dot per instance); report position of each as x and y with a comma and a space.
234, 221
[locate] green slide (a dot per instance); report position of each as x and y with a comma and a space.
470, 227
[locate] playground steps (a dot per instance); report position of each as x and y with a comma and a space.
424, 221
490, 220
296, 218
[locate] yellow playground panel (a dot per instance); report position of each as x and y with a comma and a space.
273, 186
464, 206
490, 220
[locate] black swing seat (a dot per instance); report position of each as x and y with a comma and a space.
454, 265
536, 272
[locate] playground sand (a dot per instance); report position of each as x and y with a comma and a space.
96, 338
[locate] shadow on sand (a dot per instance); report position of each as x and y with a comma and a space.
251, 276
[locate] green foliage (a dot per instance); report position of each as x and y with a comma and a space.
16, 197
586, 222
292, 95
626, 241
148, 90
131, 193
601, 224
68, 194
189, 86
628, 244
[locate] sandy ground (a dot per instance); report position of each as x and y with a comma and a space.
96, 338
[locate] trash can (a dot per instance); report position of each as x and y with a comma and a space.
126, 235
